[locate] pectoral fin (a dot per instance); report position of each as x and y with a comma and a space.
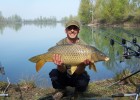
72, 70
92, 66
39, 65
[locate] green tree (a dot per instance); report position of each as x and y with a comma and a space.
84, 11
135, 5
97, 9
117, 11
114, 10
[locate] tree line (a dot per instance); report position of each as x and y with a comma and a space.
11, 19
109, 11
91, 11
17, 19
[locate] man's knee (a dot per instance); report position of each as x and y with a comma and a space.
82, 82
54, 75
57, 79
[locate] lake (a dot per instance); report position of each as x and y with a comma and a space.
20, 42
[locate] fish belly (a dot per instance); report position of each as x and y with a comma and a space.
74, 60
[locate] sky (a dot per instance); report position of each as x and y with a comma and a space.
30, 9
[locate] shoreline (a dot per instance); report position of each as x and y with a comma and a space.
95, 89
124, 25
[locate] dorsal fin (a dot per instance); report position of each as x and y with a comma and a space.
51, 48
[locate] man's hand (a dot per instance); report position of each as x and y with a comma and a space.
81, 67
87, 62
57, 59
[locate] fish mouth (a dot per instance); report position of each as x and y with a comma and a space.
106, 59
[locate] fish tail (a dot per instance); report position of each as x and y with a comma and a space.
40, 60
39, 65
34, 59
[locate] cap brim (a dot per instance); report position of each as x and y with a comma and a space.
73, 25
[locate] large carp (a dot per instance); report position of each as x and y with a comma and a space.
71, 54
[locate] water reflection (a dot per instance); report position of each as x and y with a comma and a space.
41, 24
96, 37
15, 26
18, 25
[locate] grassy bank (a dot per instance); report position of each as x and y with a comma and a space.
28, 90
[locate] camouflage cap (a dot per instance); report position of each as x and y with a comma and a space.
72, 22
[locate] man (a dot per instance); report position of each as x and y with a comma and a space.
60, 77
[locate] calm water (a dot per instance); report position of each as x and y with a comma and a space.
18, 44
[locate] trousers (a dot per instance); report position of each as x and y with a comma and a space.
62, 79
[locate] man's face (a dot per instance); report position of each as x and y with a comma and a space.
72, 32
